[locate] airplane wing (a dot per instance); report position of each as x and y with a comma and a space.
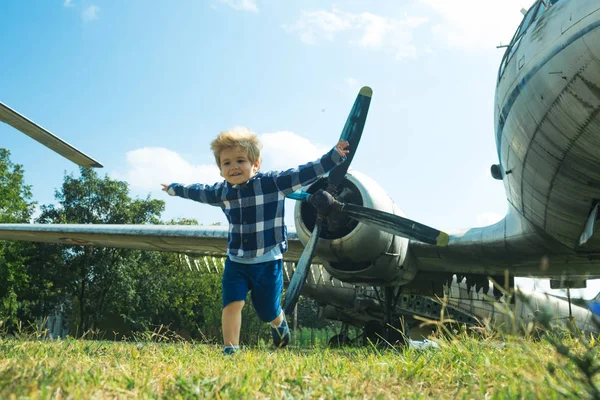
36, 132
512, 243
189, 239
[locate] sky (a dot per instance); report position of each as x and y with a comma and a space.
143, 86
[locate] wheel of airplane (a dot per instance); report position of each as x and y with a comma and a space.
339, 340
372, 332
326, 203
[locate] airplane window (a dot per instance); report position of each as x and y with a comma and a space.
528, 18
540, 11
533, 14
501, 72
514, 48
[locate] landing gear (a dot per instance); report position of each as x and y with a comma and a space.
372, 332
391, 331
338, 341
341, 339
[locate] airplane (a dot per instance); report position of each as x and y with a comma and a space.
547, 106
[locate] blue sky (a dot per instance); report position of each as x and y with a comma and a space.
144, 86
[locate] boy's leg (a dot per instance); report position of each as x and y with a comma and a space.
277, 321
280, 331
267, 287
232, 323
235, 289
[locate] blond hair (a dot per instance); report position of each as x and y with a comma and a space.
239, 137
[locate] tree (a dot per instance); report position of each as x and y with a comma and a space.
15, 206
97, 280
170, 291
178, 292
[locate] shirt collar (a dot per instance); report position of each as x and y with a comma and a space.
236, 186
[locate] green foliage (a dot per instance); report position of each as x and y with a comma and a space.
94, 282
571, 362
169, 293
578, 356
15, 207
15, 204
90, 199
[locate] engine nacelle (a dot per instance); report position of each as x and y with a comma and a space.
351, 251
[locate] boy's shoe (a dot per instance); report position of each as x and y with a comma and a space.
229, 351
281, 335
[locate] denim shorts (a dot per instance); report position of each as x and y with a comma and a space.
263, 280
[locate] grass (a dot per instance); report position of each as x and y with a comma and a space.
464, 367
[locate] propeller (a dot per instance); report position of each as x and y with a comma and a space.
325, 203
302, 269
352, 132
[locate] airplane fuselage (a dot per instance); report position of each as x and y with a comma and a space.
546, 118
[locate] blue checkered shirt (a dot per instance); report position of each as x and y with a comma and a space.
255, 209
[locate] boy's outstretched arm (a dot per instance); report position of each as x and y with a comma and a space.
197, 192
293, 179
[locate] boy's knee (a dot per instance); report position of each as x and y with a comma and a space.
234, 306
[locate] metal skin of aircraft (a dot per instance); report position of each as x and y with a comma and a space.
361, 306
36, 132
547, 123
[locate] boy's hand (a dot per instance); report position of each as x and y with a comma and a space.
341, 146
164, 187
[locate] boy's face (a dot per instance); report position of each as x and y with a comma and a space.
235, 166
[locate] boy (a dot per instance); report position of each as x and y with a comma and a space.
254, 205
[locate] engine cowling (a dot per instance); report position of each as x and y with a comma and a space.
351, 251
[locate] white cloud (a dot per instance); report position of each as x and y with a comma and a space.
284, 149
148, 167
242, 5
316, 25
68, 3
90, 13
374, 30
366, 30
488, 218
465, 24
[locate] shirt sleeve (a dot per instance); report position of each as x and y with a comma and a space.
293, 179
207, 194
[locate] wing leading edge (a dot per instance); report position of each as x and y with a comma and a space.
196, 240
512, 244
36, 132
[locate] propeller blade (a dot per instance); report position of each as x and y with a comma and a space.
352, 132
396, 225
298, 195
302, 269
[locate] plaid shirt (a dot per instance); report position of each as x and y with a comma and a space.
255, 209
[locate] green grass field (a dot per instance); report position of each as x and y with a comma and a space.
464, 367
